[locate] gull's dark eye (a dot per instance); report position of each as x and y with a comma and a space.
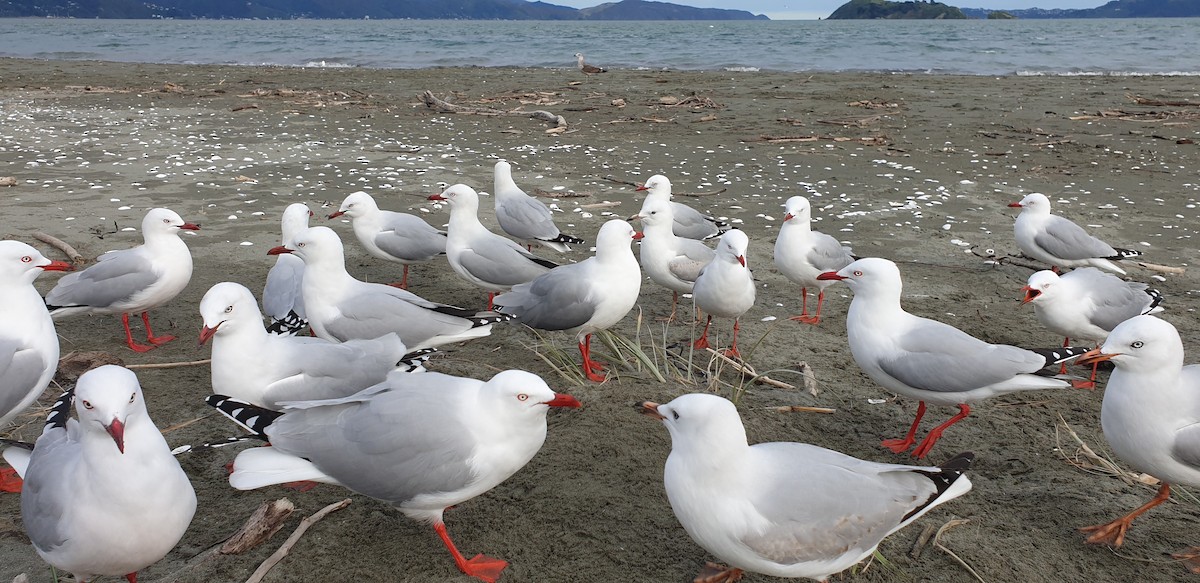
522, 397
1138, 344
87, 405
228, 309
26, 259
857, 274
132, 396
675, 414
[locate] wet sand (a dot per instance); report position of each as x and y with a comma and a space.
917, 169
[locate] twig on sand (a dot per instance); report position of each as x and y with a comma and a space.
804, 409
922, 541
76, 257
937, 542
1138, 99
746, 369
169, 364
271, 561
1160, 268
266, 520
431, 101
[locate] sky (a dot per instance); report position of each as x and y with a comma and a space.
813, 9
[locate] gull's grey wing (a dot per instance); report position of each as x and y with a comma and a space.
380, 309
693, 256
526, 218
282, 292
412, 441
691, 223
1186, 448
1063, 238
1113, 299
20, 369
503, 262
827, 253
322, 370
116, 277
938, 357
821, 503
410, 238
45, 495
558, 300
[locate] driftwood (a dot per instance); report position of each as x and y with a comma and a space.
8, 181
170, 364
76, 257
564, 194
274, 559
804, 409
1138, 99
861, 122
867, 140
431, 101
745, 368
612, 178
260, 527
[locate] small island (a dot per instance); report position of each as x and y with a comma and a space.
885, 9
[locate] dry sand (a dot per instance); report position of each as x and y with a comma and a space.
910, 167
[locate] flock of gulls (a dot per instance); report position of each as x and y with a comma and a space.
330, 373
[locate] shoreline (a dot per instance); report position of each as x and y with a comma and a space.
915, 168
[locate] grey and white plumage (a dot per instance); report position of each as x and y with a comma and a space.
583, 297
523, 216
341, 307
1087, 303
725, 287
103, 496
283, 298
488, 260
28, 342
687, 222
787, 509
928, 360
391, 236
669, 260
420, 442
254, 366
1060, 242
586, 68
130, 280
801, 254
1151, 412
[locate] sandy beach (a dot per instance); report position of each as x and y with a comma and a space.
914, 168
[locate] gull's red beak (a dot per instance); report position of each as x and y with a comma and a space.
1030, 294
58, 266
1016, 205
742, 259
638, 236
437, 197
117, 430
641, 188
280, 250
206, 333
190, 227
1093, 356
788, 217
336, 214
830, 275
649, 408
563, 400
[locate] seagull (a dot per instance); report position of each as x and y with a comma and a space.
1150, 415
1060, 242
398, 237
688, 222
787, 509
927, 360
264, 369
525, 217
583, 297
341, 308
282, 299
131, 280
421, 442
480, 256
103, 495
28, 342
670, 261
801, 254
1086, 304
586, 68
725, 286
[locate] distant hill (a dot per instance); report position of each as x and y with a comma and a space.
1114, 9
883, 9
377, 9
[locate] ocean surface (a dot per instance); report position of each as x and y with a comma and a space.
973, 47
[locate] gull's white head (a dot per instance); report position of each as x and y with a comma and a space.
107, 399
355, 205
699, 422
1041, 287
160, 220
521, 394
1143, 344
226, 308
21, 263
314, 245
460, 197
656, 186
797, 208
655, 213
868, 276
615, 234
295, 219
732, 247
1034, 202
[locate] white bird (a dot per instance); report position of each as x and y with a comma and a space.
1150, 415
525, 217
582, 297
687, 221
488, 260
725, 287
131, 280
282, 298
420, 442
397, 237
787, 509
1086, 304
341, 308
103, 495
801, 254
670, 261
927, 360
1060, 242
251, 365
586, 68
28, 343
